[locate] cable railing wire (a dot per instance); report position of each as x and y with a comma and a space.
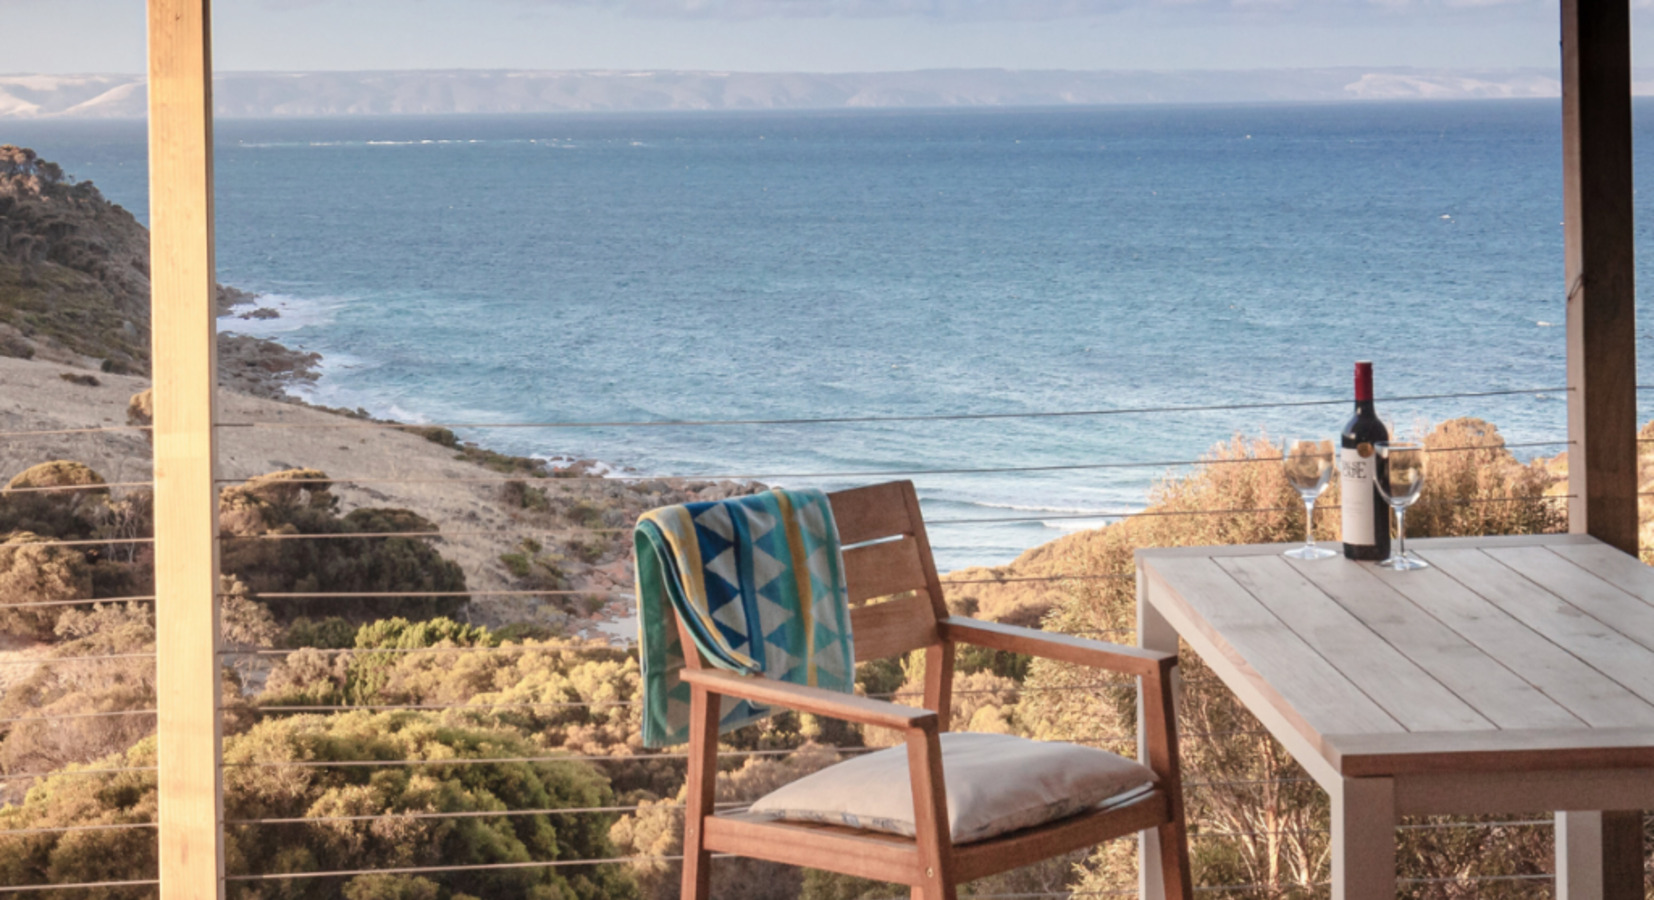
436, 870
839, 475
32, 604
1142, 514
613, 592
62, 488
58, 717
478, 814
593, 646
822, 420
78, 885
117, 826
612, 704
646, 757
54, 660
929, 417
123, 770
676, 807
91, 542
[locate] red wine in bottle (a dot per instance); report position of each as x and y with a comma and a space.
1366, 515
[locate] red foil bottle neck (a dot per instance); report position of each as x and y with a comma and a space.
1363, 382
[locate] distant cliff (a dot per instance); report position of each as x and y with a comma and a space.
74, 283
262, 94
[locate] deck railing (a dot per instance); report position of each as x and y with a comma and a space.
242, 713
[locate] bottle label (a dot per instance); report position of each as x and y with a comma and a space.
1357, 467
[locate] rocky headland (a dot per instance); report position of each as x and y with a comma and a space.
74, 354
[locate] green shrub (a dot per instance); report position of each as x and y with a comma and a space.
389, 840
329, 633
299, 501
65, 515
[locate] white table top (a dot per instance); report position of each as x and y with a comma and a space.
1510, 653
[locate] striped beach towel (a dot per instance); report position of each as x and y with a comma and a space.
760, 582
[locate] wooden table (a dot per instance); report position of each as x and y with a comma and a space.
1516, 675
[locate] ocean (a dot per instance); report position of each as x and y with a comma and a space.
621, 268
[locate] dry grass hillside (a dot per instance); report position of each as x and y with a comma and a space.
509, 523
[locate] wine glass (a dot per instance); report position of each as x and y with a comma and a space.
1404, 462
1308, 467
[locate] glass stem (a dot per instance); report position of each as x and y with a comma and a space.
1309, 522
1401, 532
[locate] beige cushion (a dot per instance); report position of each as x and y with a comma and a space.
996, 783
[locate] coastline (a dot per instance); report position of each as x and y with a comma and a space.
266, 368
513, 524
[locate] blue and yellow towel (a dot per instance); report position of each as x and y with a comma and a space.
760, 582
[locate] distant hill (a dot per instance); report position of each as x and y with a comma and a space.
74, 269
74, 284
263, 94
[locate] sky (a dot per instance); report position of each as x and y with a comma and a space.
807, 35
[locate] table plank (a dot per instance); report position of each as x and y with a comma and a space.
1406, 691
1621, 570
1592, 696
1623, 612
1277, 664
1599, 646
1482, 681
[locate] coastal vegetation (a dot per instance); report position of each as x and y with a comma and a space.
417, 684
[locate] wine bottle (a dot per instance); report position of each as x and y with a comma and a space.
1366, 516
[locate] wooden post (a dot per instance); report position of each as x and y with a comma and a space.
184, 365
1596, 200
1153, 633
1597, 854
1364, 840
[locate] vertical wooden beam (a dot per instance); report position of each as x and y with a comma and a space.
1596, 198
186, 506
1364, 840
1600, 855
1153, 633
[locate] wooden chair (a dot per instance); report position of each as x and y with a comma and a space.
888, 555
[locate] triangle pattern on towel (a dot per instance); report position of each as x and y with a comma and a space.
761, 583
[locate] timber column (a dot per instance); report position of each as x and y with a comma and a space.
184, 365
1600, 266
1599, 854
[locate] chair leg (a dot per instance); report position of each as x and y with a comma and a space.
702, 783
930, 816
1174, 861
948, 892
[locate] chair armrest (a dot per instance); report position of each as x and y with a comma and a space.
1061, 647
803, 698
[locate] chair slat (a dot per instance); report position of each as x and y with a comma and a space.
860, 853
869, 513
882, 570
895, 626
1020, 848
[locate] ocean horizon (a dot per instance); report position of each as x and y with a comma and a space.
644, 267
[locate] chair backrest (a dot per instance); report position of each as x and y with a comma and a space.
887, 555
887, 558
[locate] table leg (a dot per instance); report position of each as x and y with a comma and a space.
1364, 840
1153, 633
1599, 855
